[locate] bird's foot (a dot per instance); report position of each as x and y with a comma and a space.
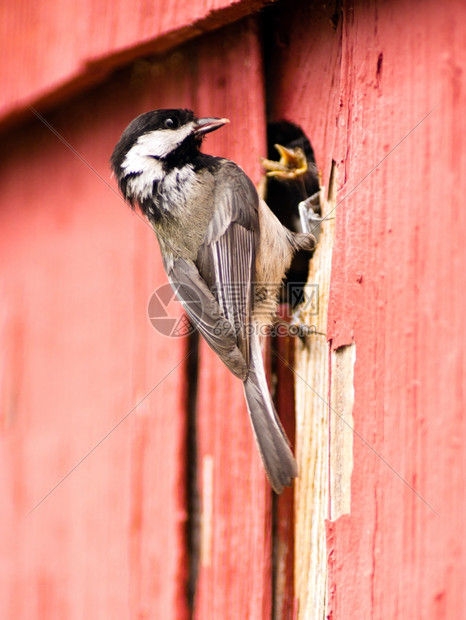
309, 215
299, 328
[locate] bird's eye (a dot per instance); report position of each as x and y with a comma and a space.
171, 123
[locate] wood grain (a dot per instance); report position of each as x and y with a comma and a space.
52, 52
382, 97
397, 258
305, 54
80, 355
92, 421
235, 572
96, 455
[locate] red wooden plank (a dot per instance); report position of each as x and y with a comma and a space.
234, 578
283, 348
78, 269
303, 83
77, 356
54, 49
398, 252
398, 249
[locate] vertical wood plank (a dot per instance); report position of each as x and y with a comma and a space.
85, 425
303, 87
283, 379
81, 355
82, 42
341, 429
393, 290
398, 247
234, 578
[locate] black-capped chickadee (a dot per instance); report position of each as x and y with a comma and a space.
225, 253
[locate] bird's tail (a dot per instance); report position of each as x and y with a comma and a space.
272, 441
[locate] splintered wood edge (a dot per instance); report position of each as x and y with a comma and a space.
312, 431
341, 429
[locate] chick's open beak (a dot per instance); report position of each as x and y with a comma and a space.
206, 125
292, 163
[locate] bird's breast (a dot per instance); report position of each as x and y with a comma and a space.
185, 202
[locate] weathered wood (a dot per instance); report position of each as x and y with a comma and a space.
394, 293
342, 363
93, 422
398, 251
310, 62
52, 51
382, 93
235, 570
80, 354
312, 423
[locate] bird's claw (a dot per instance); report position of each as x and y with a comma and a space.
309, 215
299, 328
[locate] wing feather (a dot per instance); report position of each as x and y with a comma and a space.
216, 289
207, 315
226, 260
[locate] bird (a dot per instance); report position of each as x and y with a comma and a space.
224, 252
291, 177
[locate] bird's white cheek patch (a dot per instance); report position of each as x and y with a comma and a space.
138, 161
161, 142
158, 144
144, 158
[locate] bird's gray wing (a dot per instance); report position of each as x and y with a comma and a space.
226, 259
222, 280
206, 314
215, 289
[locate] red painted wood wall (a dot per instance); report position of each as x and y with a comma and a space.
93, 401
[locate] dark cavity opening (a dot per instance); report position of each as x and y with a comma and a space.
283, 197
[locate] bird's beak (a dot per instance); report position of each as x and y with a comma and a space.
206, 125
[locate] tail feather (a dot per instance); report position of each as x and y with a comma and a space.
272, 441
